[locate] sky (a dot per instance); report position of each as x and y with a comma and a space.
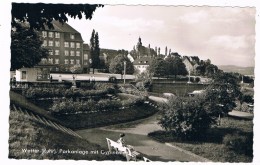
225, 35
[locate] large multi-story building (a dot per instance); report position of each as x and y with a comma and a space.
65, 46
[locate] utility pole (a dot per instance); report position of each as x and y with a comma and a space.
124, 70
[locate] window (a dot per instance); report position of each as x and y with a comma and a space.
57, 35
44, 43
43, 60
77, 45
23, 75
66, 52
85, 56
66, 61
72, 36
50, 43
57, 52
71, 61
57, 61
51, 52
51, 60
77, 53
57, 43
44, 34
72, 53
51, 34
77, 61
72, 45
66, 44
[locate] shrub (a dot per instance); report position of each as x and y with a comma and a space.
185, 118
33, 93
242, 144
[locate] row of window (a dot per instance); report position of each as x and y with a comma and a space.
143, 66
71, 44
57, 61
71, 61
50, 34
66, 52
57, 44
55, 34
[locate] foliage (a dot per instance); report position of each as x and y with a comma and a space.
117, 65
39, 14
94, 50
212, 145
26, 48
89, 120
185, 118
205, 68
158, 67
70, 106
221, 94
76, 69
34, 93
239, 143
144, 80
176, 66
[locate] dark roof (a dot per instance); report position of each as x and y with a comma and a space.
85, 47
142, 61
66, 29
63, 27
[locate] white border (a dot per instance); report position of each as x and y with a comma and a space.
5, 27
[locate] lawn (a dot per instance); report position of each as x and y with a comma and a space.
212, 146
30, 139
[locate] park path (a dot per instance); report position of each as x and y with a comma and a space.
136, 135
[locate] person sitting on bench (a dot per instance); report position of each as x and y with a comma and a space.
121, 140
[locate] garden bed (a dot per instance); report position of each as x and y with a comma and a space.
91, 120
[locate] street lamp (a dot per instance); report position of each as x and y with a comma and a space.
124, 70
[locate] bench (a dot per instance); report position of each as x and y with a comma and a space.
128, 150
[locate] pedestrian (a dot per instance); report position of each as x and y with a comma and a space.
51, 78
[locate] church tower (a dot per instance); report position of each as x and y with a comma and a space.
139, 47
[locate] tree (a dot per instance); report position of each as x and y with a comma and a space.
26, 48
39, 14
144, 80
176, 66
222, 93
158, 67
186, 118
94, 50
117, 65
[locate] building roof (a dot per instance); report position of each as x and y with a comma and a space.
65, 28
142, 61
86, 47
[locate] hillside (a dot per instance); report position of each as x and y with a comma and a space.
238, 69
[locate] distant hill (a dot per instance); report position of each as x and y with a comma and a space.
238, 69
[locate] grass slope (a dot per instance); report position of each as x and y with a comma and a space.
25, 133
